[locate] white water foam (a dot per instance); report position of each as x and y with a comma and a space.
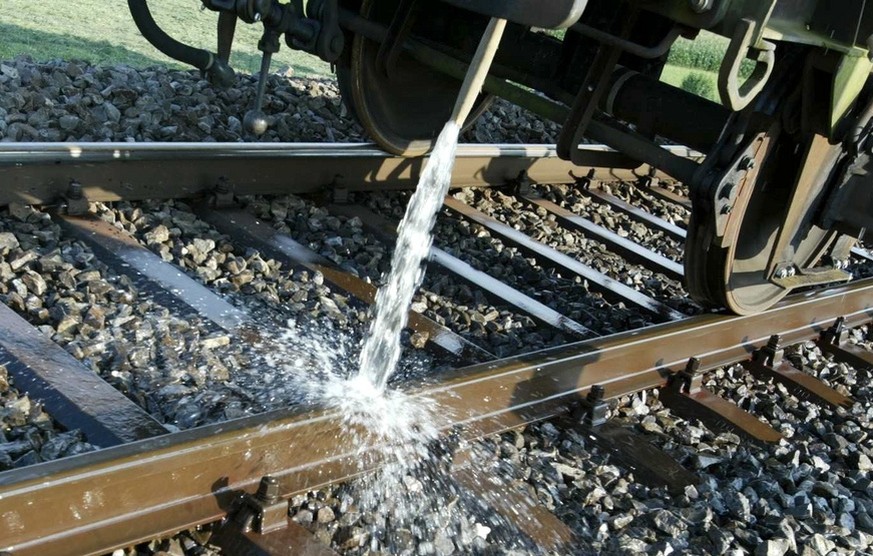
381, 350
394, 439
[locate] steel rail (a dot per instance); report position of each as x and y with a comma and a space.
387, 229
41, 173
119, 496
614, 242
612, 289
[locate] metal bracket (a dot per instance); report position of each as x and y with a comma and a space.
790, 277
259, 526
740, 174
688, 380
337, 191
77, 204
735, 94
593, 411
263, 511
649, 180
584, 182
771, 354
222, 195
522, 185
594, 86
836, 334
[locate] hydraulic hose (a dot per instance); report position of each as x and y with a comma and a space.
218, 72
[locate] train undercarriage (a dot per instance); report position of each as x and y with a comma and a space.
782, 193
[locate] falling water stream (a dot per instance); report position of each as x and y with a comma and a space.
381, 350
395, 436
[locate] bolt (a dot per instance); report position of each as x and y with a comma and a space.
771, 354
726, 190
692, 366
74, 190
222, 188
747, 163
596, 393
782, 272
268, 490
700, 6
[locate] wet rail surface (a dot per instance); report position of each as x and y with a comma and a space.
154, 483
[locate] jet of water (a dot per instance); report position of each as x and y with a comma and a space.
381, 350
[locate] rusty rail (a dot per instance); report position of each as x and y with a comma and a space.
158, 486
42, 173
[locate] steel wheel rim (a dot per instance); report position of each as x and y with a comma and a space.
736, 276
404, 113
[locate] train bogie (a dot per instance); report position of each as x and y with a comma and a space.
782, 191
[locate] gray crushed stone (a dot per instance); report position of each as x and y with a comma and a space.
810, 494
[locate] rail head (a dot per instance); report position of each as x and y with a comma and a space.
44, 173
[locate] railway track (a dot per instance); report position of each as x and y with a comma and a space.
148, 482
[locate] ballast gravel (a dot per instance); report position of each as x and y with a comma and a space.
810, 494
63, 100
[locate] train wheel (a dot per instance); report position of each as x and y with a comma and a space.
772, 222
402, 110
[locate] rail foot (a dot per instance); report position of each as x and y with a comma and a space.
685, 396
259, 525
833, 341
768, 363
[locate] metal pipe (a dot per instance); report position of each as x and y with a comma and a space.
644, 150
217, 71
649, 52
478, 70
664, 110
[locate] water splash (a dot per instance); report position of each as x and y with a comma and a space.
395, 438
393, 434
381, 350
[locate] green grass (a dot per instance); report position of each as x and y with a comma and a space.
699, 61
102, 32
677, 75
